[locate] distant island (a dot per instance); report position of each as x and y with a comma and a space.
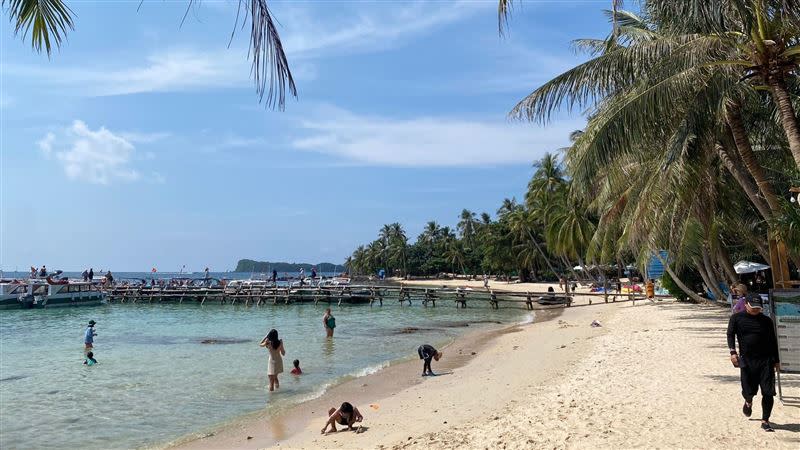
248, 265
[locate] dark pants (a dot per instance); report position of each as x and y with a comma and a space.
426, 367
757, 374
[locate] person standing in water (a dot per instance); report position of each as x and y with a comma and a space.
329, 322
427, 352
275, 362
88, 337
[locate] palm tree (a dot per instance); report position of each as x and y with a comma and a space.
467, 226
508, 207
430, 233
547, 180
48, 21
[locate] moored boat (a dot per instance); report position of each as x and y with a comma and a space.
51, 293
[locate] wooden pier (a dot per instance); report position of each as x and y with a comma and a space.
402, 295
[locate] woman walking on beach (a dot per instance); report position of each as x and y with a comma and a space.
329, 322
275, 363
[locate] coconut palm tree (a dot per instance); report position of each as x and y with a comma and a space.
467, 226
47, 23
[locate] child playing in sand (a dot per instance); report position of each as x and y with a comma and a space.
427, 352
90, 361
347, 414
296, 370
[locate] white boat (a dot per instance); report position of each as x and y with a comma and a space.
11, 293
61, 293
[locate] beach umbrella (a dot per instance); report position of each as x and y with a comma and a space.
749, 267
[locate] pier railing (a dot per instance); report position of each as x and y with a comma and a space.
362, 294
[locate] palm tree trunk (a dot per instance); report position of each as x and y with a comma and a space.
712, 276
743, 179
568, 265
780, 95
725, 262
707, 280
546, 260
681, 285
736, 126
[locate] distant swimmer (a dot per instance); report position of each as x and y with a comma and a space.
296, 370
88, 336
90, 361
427, 352
346, 415
329, 322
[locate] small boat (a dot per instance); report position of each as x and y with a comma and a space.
553, 300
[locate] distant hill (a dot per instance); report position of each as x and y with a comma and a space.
248, 265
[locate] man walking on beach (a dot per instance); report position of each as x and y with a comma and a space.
757, 359
88, 337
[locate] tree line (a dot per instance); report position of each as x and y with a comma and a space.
691, 145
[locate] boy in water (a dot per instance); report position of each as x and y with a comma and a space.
296, 370
427, 352
347, 414
90, 361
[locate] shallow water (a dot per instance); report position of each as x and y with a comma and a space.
156, 380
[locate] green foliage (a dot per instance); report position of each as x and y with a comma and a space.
248, 265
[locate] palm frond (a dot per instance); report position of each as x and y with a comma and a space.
47, 21
270, 67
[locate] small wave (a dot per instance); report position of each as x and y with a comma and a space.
529, 319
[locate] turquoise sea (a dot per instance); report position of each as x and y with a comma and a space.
157, 381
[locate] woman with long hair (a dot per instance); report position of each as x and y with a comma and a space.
275, 363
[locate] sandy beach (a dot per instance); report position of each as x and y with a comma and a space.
654, 375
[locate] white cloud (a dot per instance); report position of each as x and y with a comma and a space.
144, 138
366, 29
95, 156
305, 37
429, 141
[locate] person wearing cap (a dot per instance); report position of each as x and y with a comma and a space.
88, 337
757, 358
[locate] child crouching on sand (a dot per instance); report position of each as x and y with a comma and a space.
347, 414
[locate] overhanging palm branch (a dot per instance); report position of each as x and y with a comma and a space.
48, 21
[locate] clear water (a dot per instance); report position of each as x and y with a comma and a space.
156, 381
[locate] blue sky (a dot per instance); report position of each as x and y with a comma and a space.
142, 144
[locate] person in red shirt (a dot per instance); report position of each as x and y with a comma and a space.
296, 370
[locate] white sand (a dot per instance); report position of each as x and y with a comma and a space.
654, 376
